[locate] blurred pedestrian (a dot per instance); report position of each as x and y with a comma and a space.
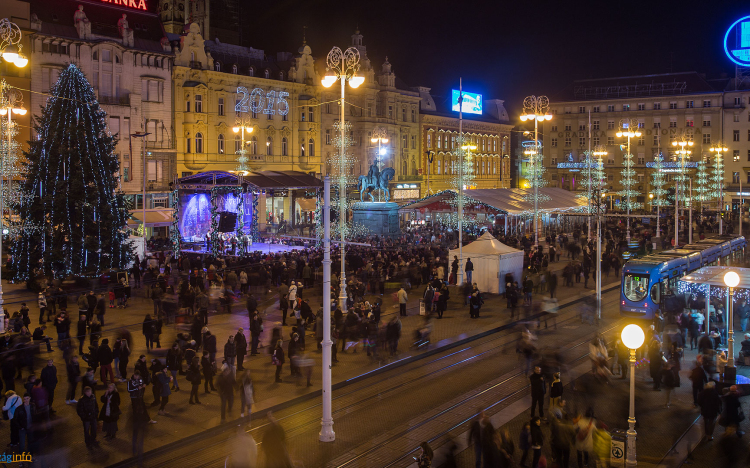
110, 411
710, 403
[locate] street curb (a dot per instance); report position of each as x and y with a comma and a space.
232, 425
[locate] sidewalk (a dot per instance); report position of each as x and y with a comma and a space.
186, 420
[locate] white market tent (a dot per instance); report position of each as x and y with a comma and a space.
492, 260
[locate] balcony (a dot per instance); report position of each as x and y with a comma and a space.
115, 100
196, 65
168, 145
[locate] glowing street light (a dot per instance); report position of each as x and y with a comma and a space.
632, 337
731, 279
242, 125
628, 129
536, 108
681, 152
10, 43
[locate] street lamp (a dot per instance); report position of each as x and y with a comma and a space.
379, 136
342, 66
599, 153
719, 180
10, 43
681, 152
633, 338
731, 279
11, 102
629, 129
536, 108
242, 125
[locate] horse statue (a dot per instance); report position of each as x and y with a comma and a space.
375, 180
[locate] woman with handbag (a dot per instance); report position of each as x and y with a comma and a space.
110, 411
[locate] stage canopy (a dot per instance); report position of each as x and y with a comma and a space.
262, 180
502, 201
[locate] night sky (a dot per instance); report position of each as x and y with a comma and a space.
508, 50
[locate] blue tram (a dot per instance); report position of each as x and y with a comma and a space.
646, 279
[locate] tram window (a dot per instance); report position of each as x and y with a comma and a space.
636, 286
656, 293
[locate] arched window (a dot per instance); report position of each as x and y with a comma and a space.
281, 76
267, 74
250, 71
198, 143
217, 66
221, 144
253, 145
413, 166
269, 146
237, 144
284, 147
439, 142
404, 168
439, 165
311, 145
234, 69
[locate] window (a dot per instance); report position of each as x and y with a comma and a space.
106, 55
581, 128
641, 160
657, 124
311, 146
284, 147
581, 109
404, 141
706, 103
581, 141
553, 142
735, 135
610, 160
673, 105
689, 104
610, 124
403, 114
689, 122
439, 142
269, 116
281, 76
736, 155
738, 101
641, 107
657, 105
642, 141
595, 125
706, 138
553, 161
641, 124
748, 135
151, 130
250, 72
198, 103
154, 170
595, 141
269, 146
611, 108
438, 167
266, 74
595, 109
567, 141
736, 117
217, 66
610, 140
568, 128
253, 145
198, 143
237, 144
328, 136
234, 69
187, 104
413, 142
673, 122
706, 123
302, 115
656, 140
626, 107
554, 128
310, 114
748, 155
429, 140
187, 145
414, 115
221, 144
735, 177
221, 106
114, 125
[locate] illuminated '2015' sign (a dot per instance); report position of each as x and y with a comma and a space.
739, 35
262, 102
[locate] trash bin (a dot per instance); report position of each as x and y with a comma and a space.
421, 307
617, 448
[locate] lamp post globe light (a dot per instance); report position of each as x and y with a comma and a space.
379, 136
632, 337
718, 180
682, 152
341, 66
628, 129
731, 279
10, 43
536, 108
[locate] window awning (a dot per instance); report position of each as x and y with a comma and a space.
154, 218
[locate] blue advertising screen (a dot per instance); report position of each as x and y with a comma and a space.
472, 103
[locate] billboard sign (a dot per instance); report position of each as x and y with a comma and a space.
472, 102
737, 42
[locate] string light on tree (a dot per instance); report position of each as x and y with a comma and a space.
702, 188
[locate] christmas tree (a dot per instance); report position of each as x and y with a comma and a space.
658, 181
71, 186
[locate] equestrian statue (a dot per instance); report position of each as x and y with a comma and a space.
375, 180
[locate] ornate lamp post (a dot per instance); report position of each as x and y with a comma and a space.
536, 108
731, 279
629, 129
242, 125
718, 182
379, 136
633, 338
682, 152
10, 43
342, 66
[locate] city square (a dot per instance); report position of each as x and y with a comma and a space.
411, 234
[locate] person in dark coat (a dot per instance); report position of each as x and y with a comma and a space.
207, 367
209, 344
256, 328
193, 375
538, 389
226, 383
278, 359
110, 411
49, 381
475, 437
88, 409
81, 333
732, 409
488, 444
656, 363
699, 379
240, 344
537, 440
710, 403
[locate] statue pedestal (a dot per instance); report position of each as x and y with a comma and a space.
379, 218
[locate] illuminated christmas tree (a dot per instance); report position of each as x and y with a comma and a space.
71, 178
717, 173
629, 193
658, 181
702, 190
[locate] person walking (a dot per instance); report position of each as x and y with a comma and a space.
74, 376
209, 344
475, 437
402, 299
105, 358
81, 332
538, 389
12, 403
193, 375
584, 443
537, 440
149, 330
277, 359
174, 363
164, 379
49, 382
240, 344
710, 403
230, 351
247, 395
88, 409
207, 367
256, 328
110, 411
226, 382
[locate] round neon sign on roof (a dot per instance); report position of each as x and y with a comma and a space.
740, 56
